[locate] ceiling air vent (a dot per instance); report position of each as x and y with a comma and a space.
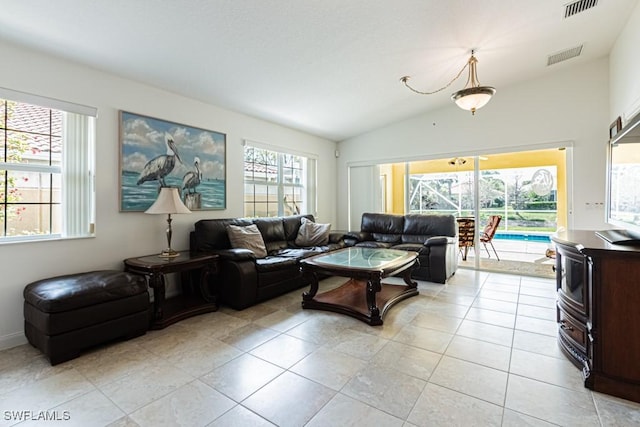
576, 7
564, 55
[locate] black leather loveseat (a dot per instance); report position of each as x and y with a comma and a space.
434, 237
246, 279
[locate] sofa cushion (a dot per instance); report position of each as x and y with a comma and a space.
391, 239
300, 253
272, 230
292, 225
382, 223
211, 234
312, 234
273, 263
418, 227
383, 227
247, 237
374, 244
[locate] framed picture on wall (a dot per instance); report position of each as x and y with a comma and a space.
615, 127
156, 153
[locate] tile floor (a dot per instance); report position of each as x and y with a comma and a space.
478, 351
516, 257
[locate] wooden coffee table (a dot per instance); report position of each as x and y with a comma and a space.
363, 294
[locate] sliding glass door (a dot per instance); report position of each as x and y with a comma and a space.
441, 186
528, 190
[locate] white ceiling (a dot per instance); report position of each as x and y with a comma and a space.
327, 67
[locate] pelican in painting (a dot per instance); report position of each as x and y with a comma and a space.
160, 166
192, 179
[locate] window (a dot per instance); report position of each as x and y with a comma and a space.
46, 168
277, 183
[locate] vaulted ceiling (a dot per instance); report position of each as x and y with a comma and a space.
329, 68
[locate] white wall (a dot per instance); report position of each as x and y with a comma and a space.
569, 104
624, 69
364, 193
123, 235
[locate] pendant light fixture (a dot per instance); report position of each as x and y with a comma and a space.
473, 96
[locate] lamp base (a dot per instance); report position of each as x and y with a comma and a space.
169, 253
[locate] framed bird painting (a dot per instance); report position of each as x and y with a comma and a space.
155, 153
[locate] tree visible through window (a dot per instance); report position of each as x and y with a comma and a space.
43, 190
275, 183
526, 197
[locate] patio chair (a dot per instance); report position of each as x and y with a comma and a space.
488, 233
466, 235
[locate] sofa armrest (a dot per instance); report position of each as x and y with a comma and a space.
236, 254
443, 257
436, 241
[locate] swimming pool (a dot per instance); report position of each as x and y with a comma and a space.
542, 238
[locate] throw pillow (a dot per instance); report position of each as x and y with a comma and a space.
312, 233
247, 237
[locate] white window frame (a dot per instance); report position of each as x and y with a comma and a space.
309, 184
77, 214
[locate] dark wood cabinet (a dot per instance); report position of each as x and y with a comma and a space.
572, 275
598, 311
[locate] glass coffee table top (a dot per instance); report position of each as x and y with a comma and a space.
359, 258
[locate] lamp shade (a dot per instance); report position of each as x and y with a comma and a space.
168, 202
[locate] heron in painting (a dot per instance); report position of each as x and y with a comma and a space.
160, 166
192, 179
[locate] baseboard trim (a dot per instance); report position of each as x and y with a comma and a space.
12, 340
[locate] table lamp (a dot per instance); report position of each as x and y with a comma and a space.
168, 202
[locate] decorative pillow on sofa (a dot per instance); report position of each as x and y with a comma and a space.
312, 233
247, 237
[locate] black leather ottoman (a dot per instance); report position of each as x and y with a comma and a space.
67, 314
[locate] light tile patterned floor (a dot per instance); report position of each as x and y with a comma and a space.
516, 257
478, 351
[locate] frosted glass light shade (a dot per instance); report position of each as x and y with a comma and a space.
474, 98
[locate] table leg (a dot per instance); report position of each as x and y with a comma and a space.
373, 287
406, 276
313, 290
157, 283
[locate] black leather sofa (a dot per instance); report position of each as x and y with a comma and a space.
434, 237
245, 279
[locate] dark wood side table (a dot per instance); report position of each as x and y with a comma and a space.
198, 295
